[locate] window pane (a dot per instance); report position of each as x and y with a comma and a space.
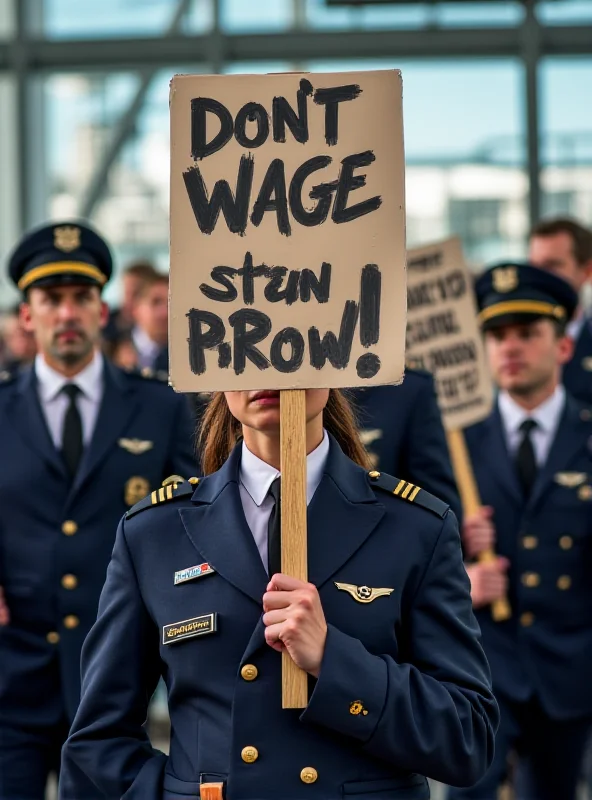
464, 150
412, 15
238, 16
550, 12
566, 122
67, 19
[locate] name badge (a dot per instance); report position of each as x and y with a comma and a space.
188, 628
191, 573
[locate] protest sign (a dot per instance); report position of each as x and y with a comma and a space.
442, 332
443, 337
287, 231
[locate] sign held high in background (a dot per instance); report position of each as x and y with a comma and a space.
287, 231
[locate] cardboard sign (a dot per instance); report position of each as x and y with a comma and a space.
287, 231
442, 332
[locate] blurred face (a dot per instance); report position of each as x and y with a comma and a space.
526, 359
260, 411
555, 254
152, 312
66, 321
132, 285
20, 343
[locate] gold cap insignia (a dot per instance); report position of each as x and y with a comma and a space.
570, 479
505, 279
363, 594
66, 238
135, 489
136, 446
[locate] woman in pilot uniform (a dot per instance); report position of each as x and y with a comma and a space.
399, 687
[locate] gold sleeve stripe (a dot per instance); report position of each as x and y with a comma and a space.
169, 492
61, 268
400, 485
413, 494
153, 498
161, 495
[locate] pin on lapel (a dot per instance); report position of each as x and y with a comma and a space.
570, 479
136, 446
189, 628
363, 594
191, 573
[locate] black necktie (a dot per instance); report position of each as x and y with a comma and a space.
525, 458
274, 527
72, 437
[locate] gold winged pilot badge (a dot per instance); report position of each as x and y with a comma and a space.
363, 594
136, 446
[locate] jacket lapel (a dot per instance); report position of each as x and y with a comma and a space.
27, 418
341, 516
118, 406
218, 529
569, 438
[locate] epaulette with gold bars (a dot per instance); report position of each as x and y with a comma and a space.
172, 488
409, 492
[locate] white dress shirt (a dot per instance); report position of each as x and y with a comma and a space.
54, 402
255, 478
147, 349
547, 417
575, 326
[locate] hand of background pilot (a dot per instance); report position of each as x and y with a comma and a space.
295, 621
489, 581
4, 613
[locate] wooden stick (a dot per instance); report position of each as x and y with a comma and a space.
471, 503
294, 556
211, 791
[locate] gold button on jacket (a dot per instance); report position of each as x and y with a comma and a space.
69, 581
531, 579
249, 672
53, 637
69, 527
564, 582
249, 754
527, 619
530, 542
71, 622
309, 775
566, 543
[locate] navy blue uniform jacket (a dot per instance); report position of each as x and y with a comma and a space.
412, 660
546, 646
577, 374
401, 427
56, 538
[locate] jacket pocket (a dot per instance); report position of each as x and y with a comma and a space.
412, 787
174, 787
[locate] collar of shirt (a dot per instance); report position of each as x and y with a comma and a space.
144, 344
575, 327
257, 476
546, 415
89, 380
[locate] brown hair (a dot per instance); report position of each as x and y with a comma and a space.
140, 269
219, 431
581, 237
152, 280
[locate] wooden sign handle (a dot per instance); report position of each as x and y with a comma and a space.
471, 503
211, 791
294, 555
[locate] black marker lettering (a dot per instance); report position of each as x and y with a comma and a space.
274, 183
347, 183
207, 211
370, 287
273, 292
224, 355
245, 340
249, 273
292, 337
367, 365
200, 339
322, 192
320, 287
331, 98
251, 112
221, 295
330, 347
199, 106
283, 114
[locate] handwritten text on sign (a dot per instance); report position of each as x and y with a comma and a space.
287, 231
442, 332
